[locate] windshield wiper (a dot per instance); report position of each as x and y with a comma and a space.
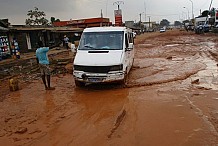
88, 46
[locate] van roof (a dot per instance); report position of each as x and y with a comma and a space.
101, 29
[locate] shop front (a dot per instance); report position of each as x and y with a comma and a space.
4, 44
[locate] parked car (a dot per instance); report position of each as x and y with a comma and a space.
190, 27
104, 54
202, 27
162, 30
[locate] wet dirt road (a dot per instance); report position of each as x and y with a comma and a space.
171, 98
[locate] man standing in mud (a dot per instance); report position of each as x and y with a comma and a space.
42, 60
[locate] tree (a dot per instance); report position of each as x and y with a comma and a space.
57, 20
212, 12
177, 23
36, 17
54, 20
164, 22
205, 13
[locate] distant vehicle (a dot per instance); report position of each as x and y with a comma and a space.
201, 25
104, 54
190, 27
216, 19
150, 30
162, 30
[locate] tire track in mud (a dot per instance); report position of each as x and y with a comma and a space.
118, 121
162, 75
183, 47
204, 117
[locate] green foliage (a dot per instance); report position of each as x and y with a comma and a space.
205, 13
36, 17
177, 23
164, 22
54, 20
212, 12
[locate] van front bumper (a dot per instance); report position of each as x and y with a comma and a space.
98, 77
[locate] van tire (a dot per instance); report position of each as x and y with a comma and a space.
133, 61
79, 84
123, 82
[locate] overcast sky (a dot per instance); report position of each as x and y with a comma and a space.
16, 10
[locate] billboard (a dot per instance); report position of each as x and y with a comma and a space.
118, 17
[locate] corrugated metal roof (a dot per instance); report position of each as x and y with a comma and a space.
3, 29
54, 29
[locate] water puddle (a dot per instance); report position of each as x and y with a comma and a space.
172, 45
163, 71
205, 46
208, 78
145, 45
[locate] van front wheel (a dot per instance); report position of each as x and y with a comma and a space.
123, 82
79, 84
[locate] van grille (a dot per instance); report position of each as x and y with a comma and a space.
98, 69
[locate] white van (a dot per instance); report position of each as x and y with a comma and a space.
104, 54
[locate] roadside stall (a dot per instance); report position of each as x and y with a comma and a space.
4, 44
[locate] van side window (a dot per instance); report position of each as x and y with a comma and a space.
126, 41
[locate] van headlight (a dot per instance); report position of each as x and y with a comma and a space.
116, 67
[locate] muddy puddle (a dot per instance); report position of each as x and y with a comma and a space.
170, 98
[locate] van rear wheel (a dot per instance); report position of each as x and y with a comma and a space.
79, 83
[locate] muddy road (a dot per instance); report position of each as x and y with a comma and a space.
171, 98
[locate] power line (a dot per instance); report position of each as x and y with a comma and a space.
162, 15
145, 10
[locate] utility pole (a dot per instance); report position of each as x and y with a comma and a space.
101, 14
145, 10
185, 15
140, 18
106, 7
118, 3
140, 22
188, 12
192, 9
149, 20
101, 17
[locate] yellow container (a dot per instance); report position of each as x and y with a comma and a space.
13, 84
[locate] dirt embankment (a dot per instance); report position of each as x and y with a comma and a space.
26, 70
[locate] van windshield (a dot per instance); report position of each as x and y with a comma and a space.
112, 40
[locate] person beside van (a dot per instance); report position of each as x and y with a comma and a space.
43, 62
66, 41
